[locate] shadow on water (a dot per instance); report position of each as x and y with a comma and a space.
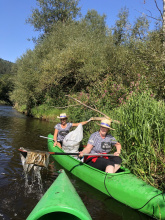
20, 193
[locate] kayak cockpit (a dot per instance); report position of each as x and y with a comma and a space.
59, 215
123, 170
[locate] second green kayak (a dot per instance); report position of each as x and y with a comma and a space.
123, 186
61, 201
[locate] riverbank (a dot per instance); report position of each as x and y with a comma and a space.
47, 113
42, 112
4, 103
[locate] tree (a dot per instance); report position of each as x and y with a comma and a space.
121, 27
6, 87
162, 15
26, 81
140, 28
52, 11
5, 66
124, 32
95, 22
164, 27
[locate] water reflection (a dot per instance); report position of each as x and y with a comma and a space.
17, 130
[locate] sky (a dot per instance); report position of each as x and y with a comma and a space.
15, 32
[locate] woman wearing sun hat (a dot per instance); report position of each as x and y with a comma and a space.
102, 142
62, 129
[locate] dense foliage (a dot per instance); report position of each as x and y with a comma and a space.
6, 84
86, 55
5, 66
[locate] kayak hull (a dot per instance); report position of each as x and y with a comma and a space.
61, 201
122, 186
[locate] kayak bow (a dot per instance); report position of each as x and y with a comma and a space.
61, 201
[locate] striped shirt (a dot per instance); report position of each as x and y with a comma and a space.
62, 132
101, 145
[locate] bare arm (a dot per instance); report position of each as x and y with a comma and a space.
118, 149
83, 122
55, 137
86, 150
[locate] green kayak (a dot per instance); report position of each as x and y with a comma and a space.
123, 186
61, 201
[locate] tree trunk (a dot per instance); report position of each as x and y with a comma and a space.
164, 30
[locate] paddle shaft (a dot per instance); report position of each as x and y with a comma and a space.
47, 138
60, 153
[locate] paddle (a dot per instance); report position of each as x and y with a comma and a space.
47, 138
61, 153
41, 158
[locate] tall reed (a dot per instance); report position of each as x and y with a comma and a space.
142, 135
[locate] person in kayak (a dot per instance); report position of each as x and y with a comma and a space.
62, 129
102, 142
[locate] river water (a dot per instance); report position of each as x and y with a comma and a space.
20, 193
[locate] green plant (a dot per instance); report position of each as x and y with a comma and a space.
141, 133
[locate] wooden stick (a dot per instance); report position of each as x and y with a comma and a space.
93, 109
67, 106
89, 107
97, 118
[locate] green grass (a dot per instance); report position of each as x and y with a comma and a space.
47, 113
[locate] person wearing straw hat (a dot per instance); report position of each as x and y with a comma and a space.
62, 129
102, 142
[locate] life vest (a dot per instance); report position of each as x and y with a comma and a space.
94, 158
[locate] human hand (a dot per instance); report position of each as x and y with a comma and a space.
117, 153
91, 119
81, 154
55, 143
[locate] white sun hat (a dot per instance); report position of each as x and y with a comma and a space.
62, 115
106, 123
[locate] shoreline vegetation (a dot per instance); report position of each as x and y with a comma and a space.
141, 131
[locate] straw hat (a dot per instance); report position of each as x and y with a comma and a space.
106, 123
62, 115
